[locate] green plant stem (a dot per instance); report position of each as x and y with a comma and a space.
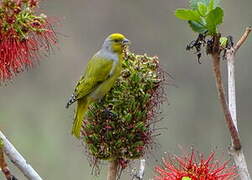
112, 169
221, 94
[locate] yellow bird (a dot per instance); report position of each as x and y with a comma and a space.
100, 75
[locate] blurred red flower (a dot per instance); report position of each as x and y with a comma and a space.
24, 35
192, 168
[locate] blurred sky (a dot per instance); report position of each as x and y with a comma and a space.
32, 113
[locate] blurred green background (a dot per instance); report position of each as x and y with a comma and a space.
32, 113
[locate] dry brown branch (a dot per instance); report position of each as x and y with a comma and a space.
242, 39
221, 93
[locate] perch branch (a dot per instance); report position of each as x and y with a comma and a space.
112, 169
238, 155
17, 159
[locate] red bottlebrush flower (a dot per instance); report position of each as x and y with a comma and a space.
192, 168
23, 35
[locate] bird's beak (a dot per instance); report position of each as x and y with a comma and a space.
126, 41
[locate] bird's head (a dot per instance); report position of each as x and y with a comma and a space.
115, 42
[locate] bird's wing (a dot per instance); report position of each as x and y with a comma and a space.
97, 71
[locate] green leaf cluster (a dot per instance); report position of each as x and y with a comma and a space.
213, 4
203, 17
118, 127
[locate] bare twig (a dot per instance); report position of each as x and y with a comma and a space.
112, 170
238, 155
243, 38
221, 93
17, 159
140, 174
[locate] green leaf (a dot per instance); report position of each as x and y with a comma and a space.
187, 14
93, 149
128, 117
194, 3
94, 138
135, 77
118, 143
139, 125
212, 3
223, 42
210, 6
196, 27
202, 8
214, 18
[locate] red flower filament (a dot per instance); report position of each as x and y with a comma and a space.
190, 167
23, 35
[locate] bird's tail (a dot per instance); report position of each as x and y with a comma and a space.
71, 100
82, 106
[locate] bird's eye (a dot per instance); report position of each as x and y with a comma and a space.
117, 40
